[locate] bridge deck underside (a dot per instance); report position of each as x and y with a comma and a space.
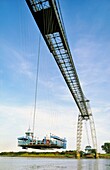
46, 15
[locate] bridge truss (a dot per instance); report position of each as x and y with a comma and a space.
48, 17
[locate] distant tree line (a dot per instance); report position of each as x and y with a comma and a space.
106, 147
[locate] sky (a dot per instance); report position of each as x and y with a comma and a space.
87, 25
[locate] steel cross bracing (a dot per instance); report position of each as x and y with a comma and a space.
49, 20
79, 132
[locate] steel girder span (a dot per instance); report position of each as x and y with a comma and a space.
49, 20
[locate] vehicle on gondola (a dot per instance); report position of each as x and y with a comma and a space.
89, 152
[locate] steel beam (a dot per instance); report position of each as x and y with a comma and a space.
49, 21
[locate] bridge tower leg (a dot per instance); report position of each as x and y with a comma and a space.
79, 135
93, 130
93, 134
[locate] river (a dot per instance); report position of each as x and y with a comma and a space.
13, 163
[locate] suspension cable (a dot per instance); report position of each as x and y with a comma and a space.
36, 84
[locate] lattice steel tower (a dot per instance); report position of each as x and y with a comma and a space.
48, 17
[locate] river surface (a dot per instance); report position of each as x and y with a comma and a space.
12, 163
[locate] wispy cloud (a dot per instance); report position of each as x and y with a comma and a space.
18, 61
92, 58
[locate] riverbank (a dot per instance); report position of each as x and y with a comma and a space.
66, 154
106, 156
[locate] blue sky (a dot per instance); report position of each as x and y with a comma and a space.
87, 26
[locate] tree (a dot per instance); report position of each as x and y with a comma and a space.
106, 147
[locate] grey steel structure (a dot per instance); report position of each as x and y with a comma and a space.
48, 17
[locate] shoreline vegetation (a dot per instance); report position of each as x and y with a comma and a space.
63, 154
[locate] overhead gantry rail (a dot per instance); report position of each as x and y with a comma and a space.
48, 18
